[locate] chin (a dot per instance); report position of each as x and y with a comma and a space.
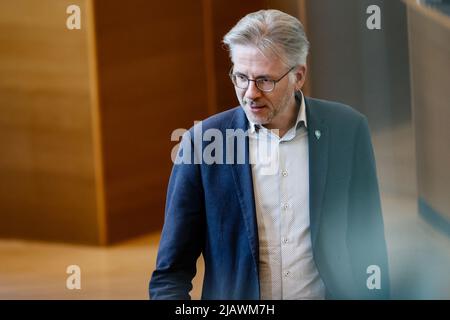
259, 121
255, 118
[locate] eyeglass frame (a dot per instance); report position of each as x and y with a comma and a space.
231, 75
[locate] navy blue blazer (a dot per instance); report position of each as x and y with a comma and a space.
210, 210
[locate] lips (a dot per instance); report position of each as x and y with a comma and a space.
256, 110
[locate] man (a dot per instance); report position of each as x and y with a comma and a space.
309, 225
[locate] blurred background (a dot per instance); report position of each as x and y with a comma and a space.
86, 117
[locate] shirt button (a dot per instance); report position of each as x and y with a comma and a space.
286, 274
284, 240
285, 206
284, 173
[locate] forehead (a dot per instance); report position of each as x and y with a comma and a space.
251, 61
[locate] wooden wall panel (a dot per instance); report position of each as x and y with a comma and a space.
152, 80
47, 189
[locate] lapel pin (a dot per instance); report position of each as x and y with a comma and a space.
318, 134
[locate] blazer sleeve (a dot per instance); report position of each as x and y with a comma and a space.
182, 235
365, 234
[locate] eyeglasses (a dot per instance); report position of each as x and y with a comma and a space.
242, 81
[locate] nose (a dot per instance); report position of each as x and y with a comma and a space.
252, 91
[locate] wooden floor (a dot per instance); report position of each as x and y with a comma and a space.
37, 270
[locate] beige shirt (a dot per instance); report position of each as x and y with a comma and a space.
280, 170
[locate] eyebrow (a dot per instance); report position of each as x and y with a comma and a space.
258, 77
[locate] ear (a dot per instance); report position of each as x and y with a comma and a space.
300, 76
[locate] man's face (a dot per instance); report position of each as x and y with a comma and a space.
273, 108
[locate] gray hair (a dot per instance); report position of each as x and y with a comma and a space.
271, 31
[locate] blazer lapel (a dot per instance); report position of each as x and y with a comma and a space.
243, 181
318, 164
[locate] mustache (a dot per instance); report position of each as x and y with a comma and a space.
251, 101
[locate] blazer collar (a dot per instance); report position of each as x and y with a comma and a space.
318, 139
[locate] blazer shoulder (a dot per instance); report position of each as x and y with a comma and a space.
332, 111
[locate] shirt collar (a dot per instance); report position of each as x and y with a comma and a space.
301, 116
